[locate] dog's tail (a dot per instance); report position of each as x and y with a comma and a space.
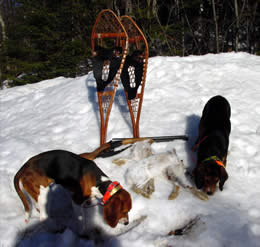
21, 194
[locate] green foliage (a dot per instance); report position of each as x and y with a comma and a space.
51, 38
47, 41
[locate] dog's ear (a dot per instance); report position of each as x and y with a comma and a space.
223, 177
199, 177
111, 211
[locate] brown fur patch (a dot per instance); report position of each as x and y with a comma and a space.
32, 180
87, 182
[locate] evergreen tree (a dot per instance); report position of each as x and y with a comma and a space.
48, 42
49, 38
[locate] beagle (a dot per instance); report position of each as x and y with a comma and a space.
212, 145
81, 176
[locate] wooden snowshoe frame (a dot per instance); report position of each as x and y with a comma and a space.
108, 27
137, 41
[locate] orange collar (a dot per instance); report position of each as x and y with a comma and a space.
113, 188
216, 159
220, 163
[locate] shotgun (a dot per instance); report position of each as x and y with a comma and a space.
153, 138
108, 149
117, 142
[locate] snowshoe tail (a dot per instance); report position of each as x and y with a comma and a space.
134, 71
109, 46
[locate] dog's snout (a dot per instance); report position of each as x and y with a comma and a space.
210, 193
124, 221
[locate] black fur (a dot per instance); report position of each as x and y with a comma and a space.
213, 140
66, 169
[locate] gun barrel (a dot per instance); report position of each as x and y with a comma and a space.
154, 138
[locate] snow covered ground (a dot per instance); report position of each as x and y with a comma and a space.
62, 113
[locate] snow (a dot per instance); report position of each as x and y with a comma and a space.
63, 113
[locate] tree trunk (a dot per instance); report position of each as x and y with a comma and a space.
183, 37
2, 26
190, 27
117, 9
2, 46
237, 25
148, 2
216, 25
154, 7
129, 7
254, 28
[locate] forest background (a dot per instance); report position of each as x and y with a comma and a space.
51, 38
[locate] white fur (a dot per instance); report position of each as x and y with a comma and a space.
123, 221
27, 216
104, 179
42, 202
95, 193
